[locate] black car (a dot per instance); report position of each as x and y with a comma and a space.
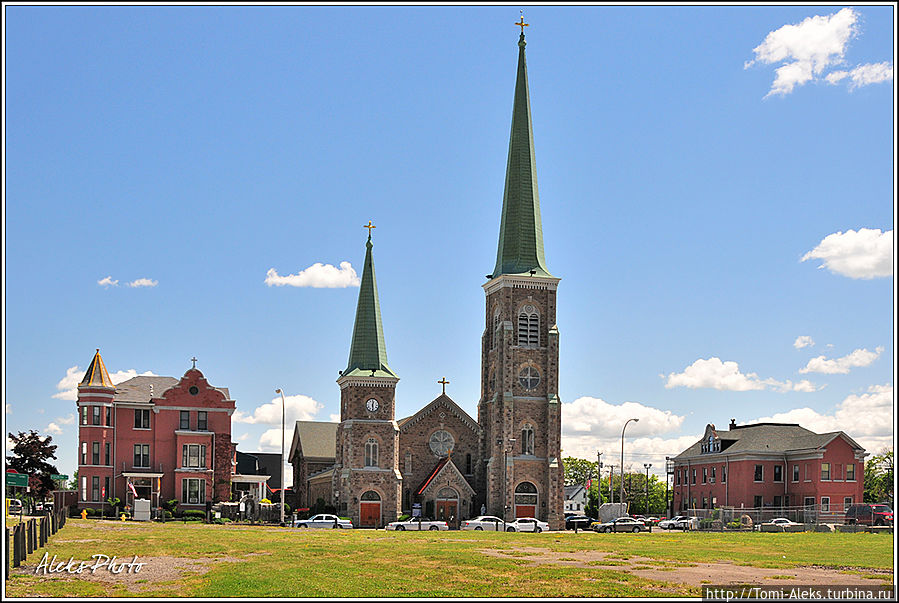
582, 521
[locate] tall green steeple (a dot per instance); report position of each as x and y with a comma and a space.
521, 233
368, 353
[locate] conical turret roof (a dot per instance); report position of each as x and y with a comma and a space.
520, 248
96, 375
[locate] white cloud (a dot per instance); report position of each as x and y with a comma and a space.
871, 73
867, 418
68, 386
67, 420
8, 408
835, 77
108, 282
335, 418
270, 441
243, 437
592, 424
857, 358
715, 374
806, 48
297, 408
143, 282
53, 429
317, 275
865, 254
803, 341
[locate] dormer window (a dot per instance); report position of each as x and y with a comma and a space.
712, 444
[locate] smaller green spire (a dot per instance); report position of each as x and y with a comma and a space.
368, 352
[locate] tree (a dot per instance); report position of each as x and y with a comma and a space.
73, 483
879, 478
30, 453
578, 471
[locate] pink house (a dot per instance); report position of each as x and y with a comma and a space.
157, 438
772, 465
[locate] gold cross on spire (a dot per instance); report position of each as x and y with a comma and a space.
521, 23
443, 382
369, 226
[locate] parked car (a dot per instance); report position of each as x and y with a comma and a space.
870, 515
15, 506
582, 521
669, 524
323, 520
527, 524
651, 521
777, 521
417, 523
622, 524
483, 522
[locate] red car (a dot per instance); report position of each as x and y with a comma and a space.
870, 515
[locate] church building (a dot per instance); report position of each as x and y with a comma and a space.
373, 468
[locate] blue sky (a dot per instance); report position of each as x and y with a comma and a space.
716, 184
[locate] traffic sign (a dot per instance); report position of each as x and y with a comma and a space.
59, 477
16, 479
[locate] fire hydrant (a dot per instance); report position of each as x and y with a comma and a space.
83, 513
123, 517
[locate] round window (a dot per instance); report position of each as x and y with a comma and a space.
194, 390
529, 377
441, 442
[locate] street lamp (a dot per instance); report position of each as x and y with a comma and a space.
283, 412
621, 493
647, 466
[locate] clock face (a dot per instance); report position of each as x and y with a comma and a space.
372, 405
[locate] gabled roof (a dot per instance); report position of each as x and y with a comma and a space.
766, 438
573, 490
441, 401
96, 375
520, 248
444, 466
317, 440
368, 352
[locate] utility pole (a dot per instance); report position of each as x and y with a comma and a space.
647, 466
598, 480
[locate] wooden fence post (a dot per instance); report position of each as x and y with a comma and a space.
18, 545
8, 558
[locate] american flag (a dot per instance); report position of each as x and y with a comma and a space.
133, 491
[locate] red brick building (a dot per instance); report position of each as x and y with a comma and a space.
166, 438
771, 465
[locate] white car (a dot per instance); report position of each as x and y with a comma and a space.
778, 521
323, 520
484, 522
668, 524
417, 523
527, 524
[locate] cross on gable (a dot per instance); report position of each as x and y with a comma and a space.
194, 360
443, 382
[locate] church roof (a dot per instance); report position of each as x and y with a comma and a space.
445, 465
520, 247
368, 352
317, 439
96, 375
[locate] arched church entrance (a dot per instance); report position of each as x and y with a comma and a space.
525, 500
447, 507
370, 510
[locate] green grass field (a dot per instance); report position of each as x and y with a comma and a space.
256, 561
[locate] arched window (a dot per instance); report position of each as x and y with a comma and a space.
527, 439
495, 340
529, 327
371, 453
468, 464
371, 496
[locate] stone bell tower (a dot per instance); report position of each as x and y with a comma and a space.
519, 409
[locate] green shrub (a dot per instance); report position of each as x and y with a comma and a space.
733, 525
404, 517
91, 512
194, 513
168, 514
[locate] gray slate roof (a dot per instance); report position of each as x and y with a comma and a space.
318, 439
137, 389
766, 438
573, 490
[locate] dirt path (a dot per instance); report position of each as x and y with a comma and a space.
697, 574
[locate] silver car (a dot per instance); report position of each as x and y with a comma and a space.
323, 520
417, 523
